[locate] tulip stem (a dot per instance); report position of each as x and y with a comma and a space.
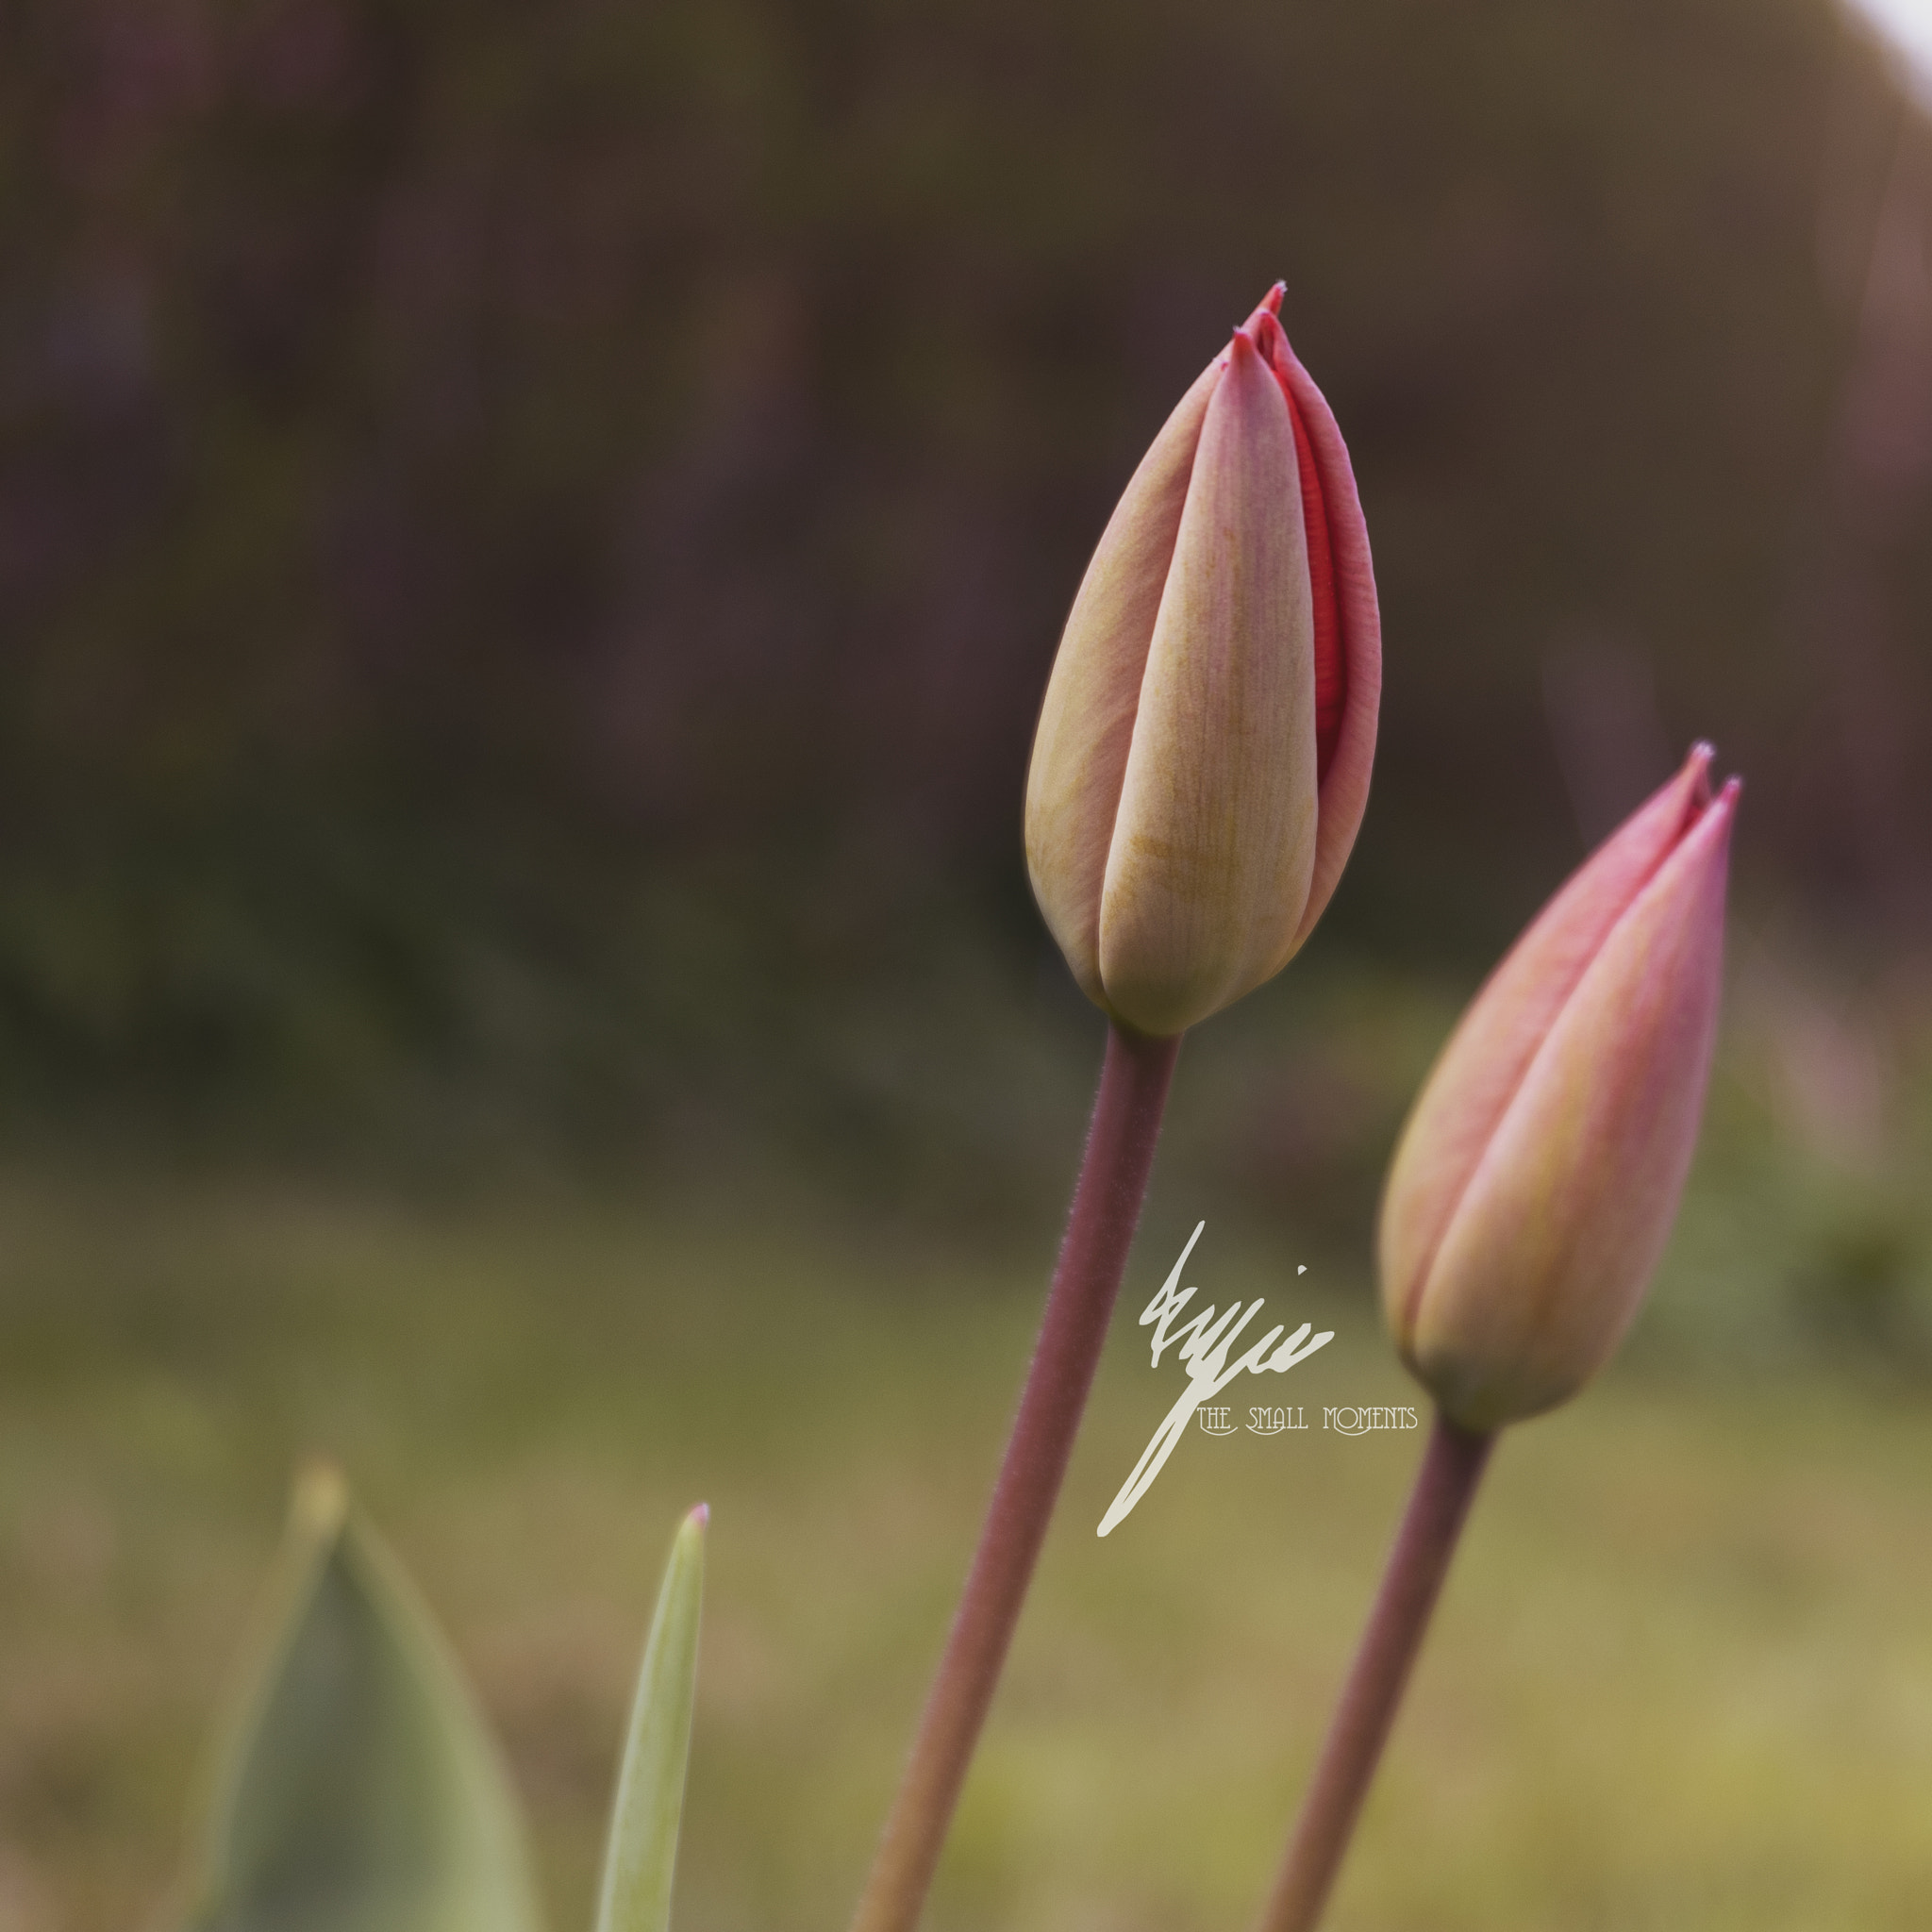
1438, 1507
1093, 1257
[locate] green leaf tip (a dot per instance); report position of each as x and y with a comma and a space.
357, 1789
642, 1851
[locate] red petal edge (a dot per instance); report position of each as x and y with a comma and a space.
1331, 656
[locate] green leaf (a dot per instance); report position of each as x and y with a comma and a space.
357, 1789
642, 1846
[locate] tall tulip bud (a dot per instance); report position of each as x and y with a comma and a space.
1539, 1172
1203, 755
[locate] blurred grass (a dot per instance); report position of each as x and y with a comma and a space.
1683, 1675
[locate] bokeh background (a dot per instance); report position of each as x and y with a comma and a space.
530, 542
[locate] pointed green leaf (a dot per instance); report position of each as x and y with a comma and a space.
357, 1789
642, 1846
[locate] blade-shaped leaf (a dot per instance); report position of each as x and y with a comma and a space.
357, 1789
642, 1846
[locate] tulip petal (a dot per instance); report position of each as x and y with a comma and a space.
1552, 1245
1086, 722
1213, 846
1270, 304
1490, 1053
1331, 665
1345, 771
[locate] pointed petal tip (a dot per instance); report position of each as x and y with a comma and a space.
1269, 305
1697, 771
1704, 800
699, 1515
1247, 347
321, 1502
1710, 828
1263, 328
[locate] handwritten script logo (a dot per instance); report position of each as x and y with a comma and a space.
1205, 1350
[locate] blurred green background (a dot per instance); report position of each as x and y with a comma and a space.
530, 542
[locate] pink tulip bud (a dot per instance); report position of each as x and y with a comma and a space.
1539, 1172
1203, 755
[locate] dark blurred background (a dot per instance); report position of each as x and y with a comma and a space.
531, 539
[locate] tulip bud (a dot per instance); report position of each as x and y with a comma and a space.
1202, 755
1540, 1172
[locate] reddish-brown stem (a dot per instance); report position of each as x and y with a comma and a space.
1444, 1485
1106, 1207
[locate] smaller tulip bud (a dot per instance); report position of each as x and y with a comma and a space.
1540, 1172
1203, 755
